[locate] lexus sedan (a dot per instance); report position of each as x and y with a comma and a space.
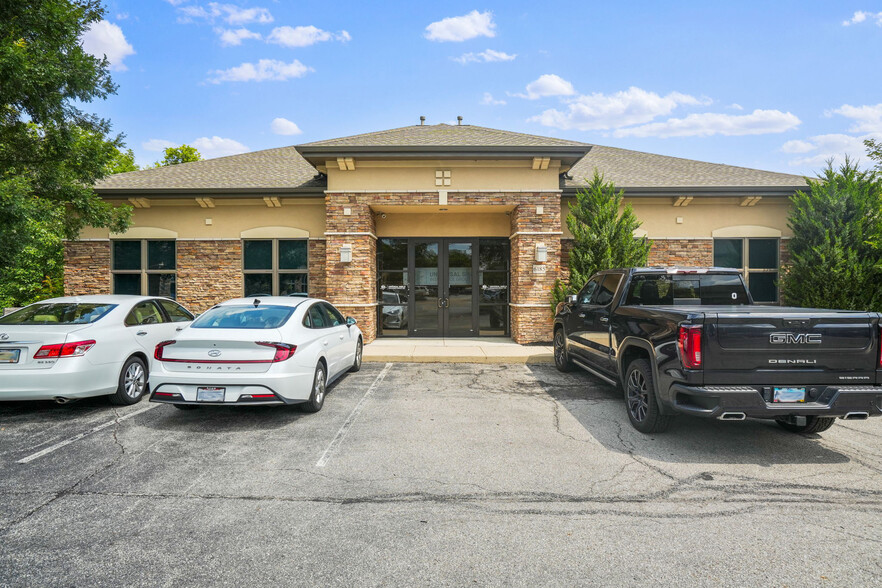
262, 350
68, 348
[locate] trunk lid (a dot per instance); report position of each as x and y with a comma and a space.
221, 351
792, 345
19, 343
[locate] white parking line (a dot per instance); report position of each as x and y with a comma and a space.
338, 439
67, 442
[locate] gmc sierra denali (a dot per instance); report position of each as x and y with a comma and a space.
691, 341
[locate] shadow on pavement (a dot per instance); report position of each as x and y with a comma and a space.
600, 409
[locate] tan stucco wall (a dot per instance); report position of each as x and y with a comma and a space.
702, 217
229, 218
444, 224
502, 176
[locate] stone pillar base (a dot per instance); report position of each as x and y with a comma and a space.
366, 317
531, 324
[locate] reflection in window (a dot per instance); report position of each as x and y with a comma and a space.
144, 267
276, 267
757, 258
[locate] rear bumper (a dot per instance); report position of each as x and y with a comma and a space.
69, 378
755, 401
287, 387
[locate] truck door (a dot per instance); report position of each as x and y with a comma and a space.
595, 332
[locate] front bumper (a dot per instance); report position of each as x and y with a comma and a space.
755, 401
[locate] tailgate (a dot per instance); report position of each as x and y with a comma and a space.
793, 346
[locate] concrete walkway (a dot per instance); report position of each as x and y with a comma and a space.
459, 350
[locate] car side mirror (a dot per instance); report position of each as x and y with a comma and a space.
350, 321
572, 298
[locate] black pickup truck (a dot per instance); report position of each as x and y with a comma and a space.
691, 341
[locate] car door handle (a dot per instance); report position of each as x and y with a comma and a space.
604, 319
179, 329
342, 337
141, 333
581, 315
325, 343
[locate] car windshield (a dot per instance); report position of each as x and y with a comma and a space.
68, 313
686, 289
244, 317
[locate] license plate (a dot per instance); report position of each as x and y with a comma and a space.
9, 355
210, 394
788, 395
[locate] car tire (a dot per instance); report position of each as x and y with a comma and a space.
132, 384
359, 355
561, 356
640, 399
185, 406
317, 398
813, 424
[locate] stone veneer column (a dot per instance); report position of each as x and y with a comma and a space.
208, 272
351, 286
87, 267
317, 271
531, 317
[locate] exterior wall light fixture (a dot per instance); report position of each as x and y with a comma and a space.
346, 254
541, 252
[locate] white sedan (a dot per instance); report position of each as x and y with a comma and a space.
74, 347
263, 350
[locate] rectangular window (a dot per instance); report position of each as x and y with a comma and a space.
757, 258
276, 267
144, 267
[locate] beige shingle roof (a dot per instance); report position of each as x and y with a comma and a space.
634, 169
442, 135
271, 169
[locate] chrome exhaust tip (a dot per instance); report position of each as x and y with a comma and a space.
732, 416
61, 400
856, 416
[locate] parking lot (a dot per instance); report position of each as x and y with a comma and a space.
422, 474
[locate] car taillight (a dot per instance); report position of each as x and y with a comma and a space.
689, 341
75, 349
157, 353
283, 350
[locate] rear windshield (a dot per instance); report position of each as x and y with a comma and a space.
660, 290
244, 317
70, 313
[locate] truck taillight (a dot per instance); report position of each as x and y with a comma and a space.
689, 341
880, 347
74, 349
283, 350
157, 353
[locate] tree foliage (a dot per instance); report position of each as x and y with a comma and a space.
122, 161
51, 151
603, 235
874, 152
175, 155
836, 249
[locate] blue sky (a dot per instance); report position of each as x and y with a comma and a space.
771, 85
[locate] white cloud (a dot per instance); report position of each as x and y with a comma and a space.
601, 111
264, 70
548, 85
218, 146
283, 126
861, 16
304, 36
462, 28
759, 122
484, 56
735, 106
826, 147
157, 145
107, 39
232, 37
489, 100
122, 16
229, 13
868, 118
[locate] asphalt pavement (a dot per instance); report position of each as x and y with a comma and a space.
432, 475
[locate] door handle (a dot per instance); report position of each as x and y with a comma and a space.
443, 302
179, 329
342, 337
581, 315
141, 333
325, 343
604, 319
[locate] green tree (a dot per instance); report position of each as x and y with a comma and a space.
836, 249
175, 155
603, 235
51, 151
123, 161
874, 152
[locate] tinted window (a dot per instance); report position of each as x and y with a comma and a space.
334, 314
728, 253
607, 290
654, 290
588, 291
145, 313
244, 317
292, 254
258, 254
317, 317
161, 255
175, 312
57, 314
126, 255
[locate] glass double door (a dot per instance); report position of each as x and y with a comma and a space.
443, 278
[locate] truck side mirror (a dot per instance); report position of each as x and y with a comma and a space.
571, 299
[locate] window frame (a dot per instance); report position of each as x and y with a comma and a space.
746, 270
274, 271
143, 272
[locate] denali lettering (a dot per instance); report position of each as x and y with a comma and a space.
794, 361
795, 338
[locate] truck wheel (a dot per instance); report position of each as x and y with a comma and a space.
561, 357
813, 424
640, 400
